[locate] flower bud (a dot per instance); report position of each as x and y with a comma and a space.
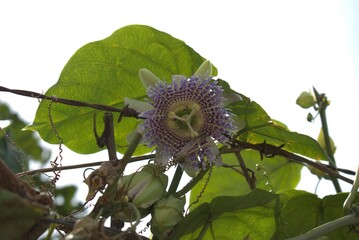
306, 100
145, 187
166, 214
85, 228
310, 117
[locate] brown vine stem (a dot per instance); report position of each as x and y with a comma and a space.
84, 165
127, 112
69, 223
251, 183
264, 149
107, 137
269, 150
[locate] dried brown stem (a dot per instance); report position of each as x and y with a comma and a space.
126, 112
269, 150
107, 137
251, 183
84, 165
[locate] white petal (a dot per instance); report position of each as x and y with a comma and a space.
148, 78
162, 157
217, 159
177, 78
139, 106
239, 123
204, 71
230, 98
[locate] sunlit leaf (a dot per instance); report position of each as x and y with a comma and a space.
259, 127
304, 211
105, 72
262, 215
250, 216
276, 174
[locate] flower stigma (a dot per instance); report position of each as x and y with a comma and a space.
185, 119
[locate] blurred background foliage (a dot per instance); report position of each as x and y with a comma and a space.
20, 148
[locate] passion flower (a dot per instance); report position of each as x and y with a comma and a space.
186, 118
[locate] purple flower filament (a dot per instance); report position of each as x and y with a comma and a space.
188, 116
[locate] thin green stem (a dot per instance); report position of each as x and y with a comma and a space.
108, 196
192, 183
329, 227
175, 181
204, 230
323, 104
131, 148
348, 204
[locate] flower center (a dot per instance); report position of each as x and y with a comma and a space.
185, 119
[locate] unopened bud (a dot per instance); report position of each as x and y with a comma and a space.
321, 141
145, 187
166, 214
310, 117
306, 100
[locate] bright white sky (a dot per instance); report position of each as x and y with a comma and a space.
270, 51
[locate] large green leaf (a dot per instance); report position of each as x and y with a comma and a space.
259, 127
304, 211
281, 173
105, 72
250, 216
261, 215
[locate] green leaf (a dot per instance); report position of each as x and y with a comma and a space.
105, 72
251, 216
262, 215
304, 211
259, 127
65, 200
280, 173
17, 147
18, 216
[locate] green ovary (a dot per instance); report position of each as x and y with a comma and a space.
185, 119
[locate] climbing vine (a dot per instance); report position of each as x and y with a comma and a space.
147, 97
